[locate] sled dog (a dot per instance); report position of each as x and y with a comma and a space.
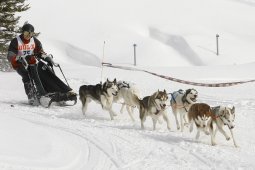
200, 114
154, 106
129, 93
222, 116
180, 103
102, 94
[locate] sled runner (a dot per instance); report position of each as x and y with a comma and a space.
46, 84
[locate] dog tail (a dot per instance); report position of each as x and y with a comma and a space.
81, 91
137, 100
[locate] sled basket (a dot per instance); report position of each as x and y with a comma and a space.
45, 83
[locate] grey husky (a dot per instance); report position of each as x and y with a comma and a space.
127, 92
100, 93
222, 116
180, 102
154, 106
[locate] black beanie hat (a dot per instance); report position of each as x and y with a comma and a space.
28, 27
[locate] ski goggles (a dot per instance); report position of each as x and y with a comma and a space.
26, 33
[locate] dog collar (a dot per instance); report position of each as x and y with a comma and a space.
215, 116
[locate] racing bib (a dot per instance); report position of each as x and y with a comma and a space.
25, 49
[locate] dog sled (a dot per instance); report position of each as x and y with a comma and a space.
46, 87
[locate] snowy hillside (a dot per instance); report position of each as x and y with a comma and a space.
174, 38
167, 32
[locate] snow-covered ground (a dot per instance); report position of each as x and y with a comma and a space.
169, 34
61, 138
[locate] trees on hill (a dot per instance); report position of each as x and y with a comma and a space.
9, 26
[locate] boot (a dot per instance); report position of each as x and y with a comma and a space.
30, 93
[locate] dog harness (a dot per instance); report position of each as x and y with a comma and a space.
123, 84
216, 113
173, 97
174, 94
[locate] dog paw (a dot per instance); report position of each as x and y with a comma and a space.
213, 144
186, 124
227, 138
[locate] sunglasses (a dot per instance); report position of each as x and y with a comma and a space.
26, 33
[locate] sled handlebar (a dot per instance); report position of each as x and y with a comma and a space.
57, 65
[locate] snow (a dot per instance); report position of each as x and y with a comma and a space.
174, 38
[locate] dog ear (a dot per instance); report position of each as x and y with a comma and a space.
107, 80
187, 91
233, 110
224, 111
104, 86
210, 111
114, 81
156, 93
164, 90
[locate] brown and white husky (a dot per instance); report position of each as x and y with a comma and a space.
200, 115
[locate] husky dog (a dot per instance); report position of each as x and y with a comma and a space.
102, 94
180, 103
129, 93
222, 116
154, 106
200, 114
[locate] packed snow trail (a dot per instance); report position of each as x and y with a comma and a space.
120, 144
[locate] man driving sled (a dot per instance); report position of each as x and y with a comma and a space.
24, 52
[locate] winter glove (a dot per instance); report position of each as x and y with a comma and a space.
22, 57
15, 63
19, 58
49, 60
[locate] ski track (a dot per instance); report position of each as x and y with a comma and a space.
84, 135
173, 146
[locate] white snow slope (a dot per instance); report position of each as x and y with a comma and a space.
168, 33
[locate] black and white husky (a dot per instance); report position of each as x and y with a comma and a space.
221, 116
180, 102
154, 106
100, 93
128, 92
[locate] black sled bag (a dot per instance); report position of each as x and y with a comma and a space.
48, 84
